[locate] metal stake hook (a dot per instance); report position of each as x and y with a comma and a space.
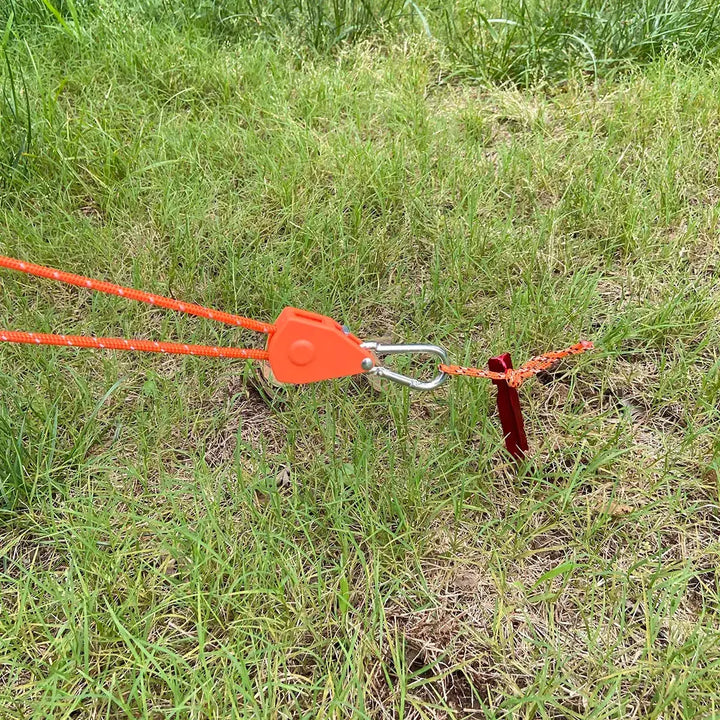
415, 349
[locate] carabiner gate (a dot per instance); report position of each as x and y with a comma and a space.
416, 349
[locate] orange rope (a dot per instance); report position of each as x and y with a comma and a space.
109, 343
132, 294
515, 378
32, 338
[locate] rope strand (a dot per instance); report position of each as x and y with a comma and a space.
111, 343
132, 294
516, 377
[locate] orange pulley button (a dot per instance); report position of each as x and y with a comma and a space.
301, 352
307, 347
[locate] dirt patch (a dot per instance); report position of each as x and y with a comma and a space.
251, 420
458, 689
23, 553
91, 210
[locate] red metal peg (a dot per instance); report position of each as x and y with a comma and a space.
508, 404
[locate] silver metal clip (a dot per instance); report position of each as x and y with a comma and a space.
413, 383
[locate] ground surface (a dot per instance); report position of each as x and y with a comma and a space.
176, 543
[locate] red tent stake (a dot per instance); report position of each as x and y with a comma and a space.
508, 404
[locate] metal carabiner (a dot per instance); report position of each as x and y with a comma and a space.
417, 349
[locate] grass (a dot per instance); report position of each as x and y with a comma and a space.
516, 42
177, 543
526, 42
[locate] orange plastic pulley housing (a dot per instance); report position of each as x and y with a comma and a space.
307, 347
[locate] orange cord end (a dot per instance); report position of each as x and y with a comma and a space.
515, 378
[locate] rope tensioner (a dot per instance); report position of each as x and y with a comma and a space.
302, 347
